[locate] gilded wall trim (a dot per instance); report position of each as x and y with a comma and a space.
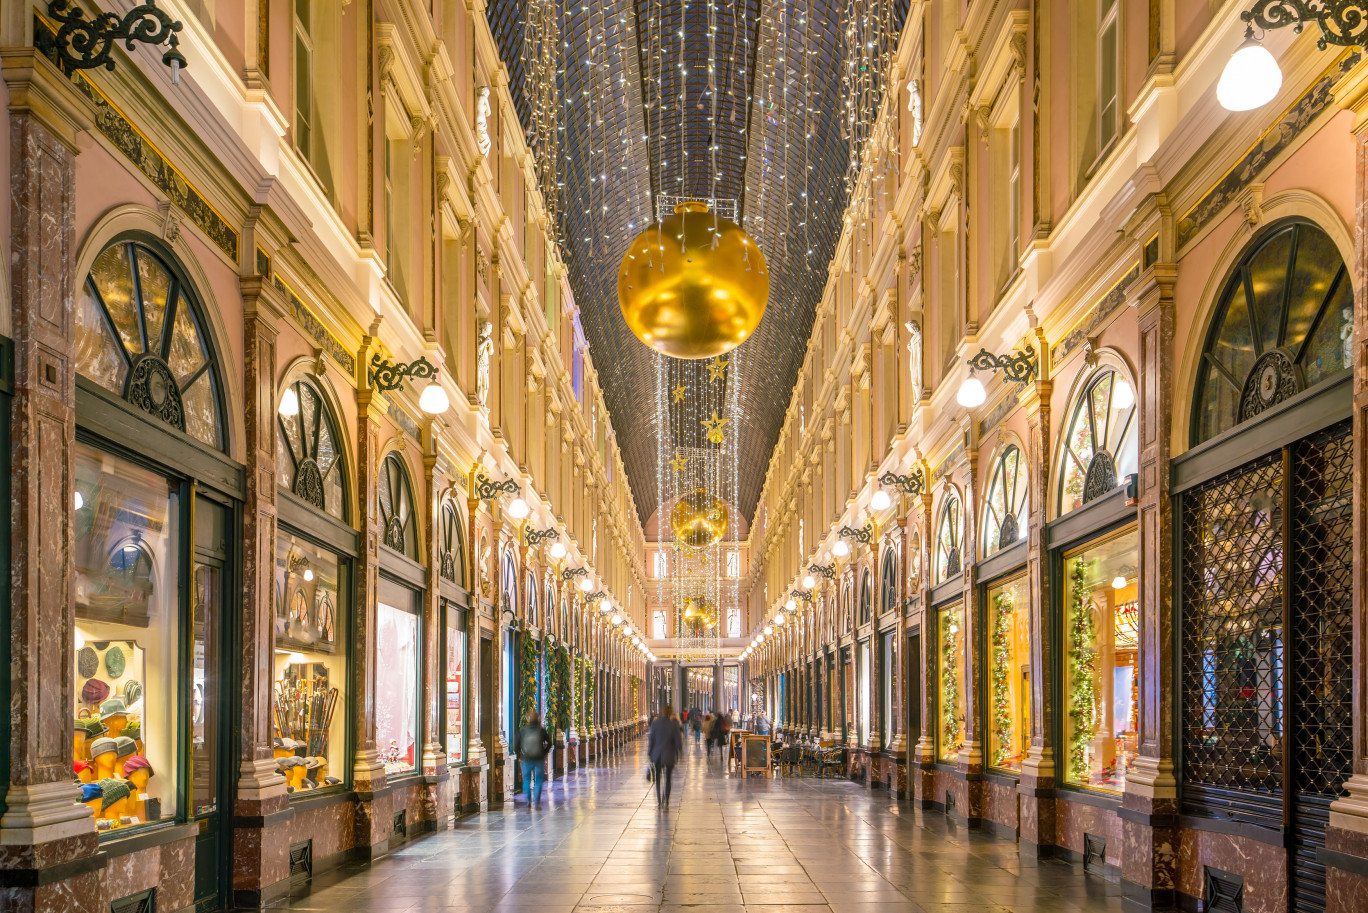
316, 330
1096, 318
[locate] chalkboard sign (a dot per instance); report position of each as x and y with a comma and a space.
755, 754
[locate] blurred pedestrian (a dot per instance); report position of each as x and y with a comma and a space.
664, 744
533, 744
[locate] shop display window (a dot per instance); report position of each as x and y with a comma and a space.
865, 694
1100, 642
951, 688
128, 629
308, 698
455, 688
397, 655
1009, 674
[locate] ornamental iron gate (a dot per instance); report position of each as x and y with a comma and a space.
1266, 646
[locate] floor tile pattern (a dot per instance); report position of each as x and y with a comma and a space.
598, 844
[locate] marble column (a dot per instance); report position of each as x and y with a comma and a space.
434, 763
372, 821
1346, 839
1150, 805
48, 847
970, 765
474, 788
261, 863
924, 755
1036, 820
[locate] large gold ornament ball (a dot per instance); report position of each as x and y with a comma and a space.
699, 520
693, 285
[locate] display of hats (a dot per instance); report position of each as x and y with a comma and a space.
94, 691
91, 791
133, 730
113, 707
132, 691
313, 763
80, 766
87, 662
112, 790
332, 781
124, 747
90, 725
115, 662
100, 746
135, 763
289, 763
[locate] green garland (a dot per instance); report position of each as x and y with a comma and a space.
950, 689
558, 698
636, 708
1082, 656
588, 696
1003, 608
527, 693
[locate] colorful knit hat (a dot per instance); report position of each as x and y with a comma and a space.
124, 747
100, 746
135, 763
113, 707
90, 791
94, 691
87, 662
112, 790
132, 690
115, 662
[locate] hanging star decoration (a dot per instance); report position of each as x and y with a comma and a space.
678, 393
715, 426
680, 461
717, 367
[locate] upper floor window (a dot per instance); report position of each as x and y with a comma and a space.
304, 77
397, 515
530, 588
866, 599
453, 545
308, 449
949, 541
140, 334
888, 582
1100, 446
1284, 322
1005, 510
1108, 73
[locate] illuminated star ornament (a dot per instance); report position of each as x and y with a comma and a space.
678, 393
680, 461
715, 426
716, 368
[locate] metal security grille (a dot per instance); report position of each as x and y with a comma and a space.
1267, 646
1232, 643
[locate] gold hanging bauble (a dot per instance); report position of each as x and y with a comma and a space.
693, 285
690, 609
699, 520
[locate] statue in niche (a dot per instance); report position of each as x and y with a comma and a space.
1347, 336
482, 110
484, 350
914, 358
914, 104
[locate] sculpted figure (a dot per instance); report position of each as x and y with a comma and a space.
914, 358
484, 350
482, 110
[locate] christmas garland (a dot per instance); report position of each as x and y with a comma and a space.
588, 695
1003, 606
577, 689
527, 693
636, 685
950, 691
558, 698
1082, 656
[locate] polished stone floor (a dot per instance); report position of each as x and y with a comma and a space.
599, 845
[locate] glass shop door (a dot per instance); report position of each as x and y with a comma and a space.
208, 704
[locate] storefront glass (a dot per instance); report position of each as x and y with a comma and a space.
1009, 673
951, 687
866, 695
309, 699
1100, 697
455, 688
397, 655
128, 624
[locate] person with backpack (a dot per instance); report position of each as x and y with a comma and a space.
664, 745
708, 724
533, 744
722, 732
696, 724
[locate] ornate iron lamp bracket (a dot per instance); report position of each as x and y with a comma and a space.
535, 537
1015, 367
83, 44
862, 534
800, 594
390, 376
486, 489
826, 570
596, 596
1342, 22
910, 484
570, 573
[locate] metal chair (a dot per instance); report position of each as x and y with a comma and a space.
791, 759
830, 759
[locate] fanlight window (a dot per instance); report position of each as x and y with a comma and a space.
865, 599
845, 609
453, 545
139, 335
396, 508
1005, 513
508, 576
888, 601
1285, 322
308, 450
1099, 447
949, 541
530, 588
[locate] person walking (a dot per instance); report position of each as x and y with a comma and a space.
664, 744
696, 724
722, 733
533, 744
762, 724
708, 723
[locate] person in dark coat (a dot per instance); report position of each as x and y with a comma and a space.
664, 744
533, 744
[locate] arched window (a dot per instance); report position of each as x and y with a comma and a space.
1284, 323
453, 545
140, 334
1099, 447
396, 508
865, 598
1005, 511
889, 582
530, 588
846, 608
949, 541
551, 610
508, 582
308, 449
